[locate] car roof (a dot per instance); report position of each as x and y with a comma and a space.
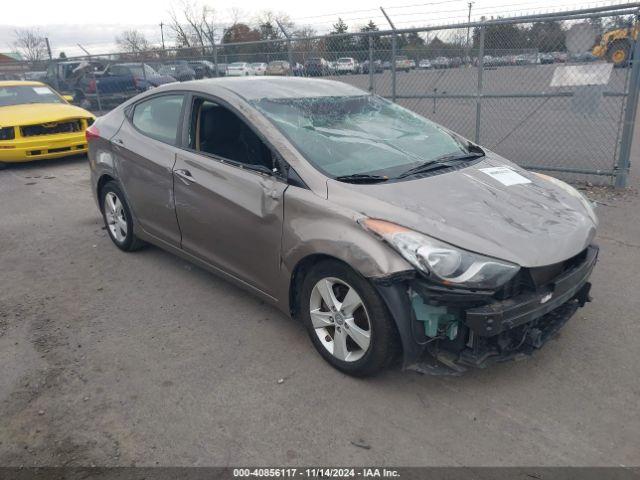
253, 88
17, 83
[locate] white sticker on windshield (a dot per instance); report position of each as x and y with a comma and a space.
505, 176
42, 90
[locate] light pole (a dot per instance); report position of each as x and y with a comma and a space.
162, 34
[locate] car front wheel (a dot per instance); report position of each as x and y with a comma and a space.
117, 218
347, 321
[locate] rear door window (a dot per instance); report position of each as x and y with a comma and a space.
159, 117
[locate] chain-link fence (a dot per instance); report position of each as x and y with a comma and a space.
555, 92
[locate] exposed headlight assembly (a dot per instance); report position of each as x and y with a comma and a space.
442, 262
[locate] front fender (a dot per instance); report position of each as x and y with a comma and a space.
313, 225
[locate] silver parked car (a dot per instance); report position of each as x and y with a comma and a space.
387, 235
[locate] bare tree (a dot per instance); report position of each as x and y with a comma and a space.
193, 24
133, 41
305, 43
267, 22
236, 15
182, 37
31, 44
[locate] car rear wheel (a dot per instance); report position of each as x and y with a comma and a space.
347, 321
117, 218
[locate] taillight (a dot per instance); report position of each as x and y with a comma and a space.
91, 87
92, 133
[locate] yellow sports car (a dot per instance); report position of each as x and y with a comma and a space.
36, 122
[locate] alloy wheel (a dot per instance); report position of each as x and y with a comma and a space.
340, 319
116, 217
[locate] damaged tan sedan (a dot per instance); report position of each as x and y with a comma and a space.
387, 235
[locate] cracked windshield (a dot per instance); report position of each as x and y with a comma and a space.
359, 134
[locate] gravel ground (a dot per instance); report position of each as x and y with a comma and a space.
143, 359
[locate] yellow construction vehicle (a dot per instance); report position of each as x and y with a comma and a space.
617, 45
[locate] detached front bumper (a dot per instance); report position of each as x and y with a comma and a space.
466, 328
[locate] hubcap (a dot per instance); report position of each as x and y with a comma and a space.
116, 218
340, 319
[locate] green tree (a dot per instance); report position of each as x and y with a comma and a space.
501, 37
546, 37
339, 46
363, 40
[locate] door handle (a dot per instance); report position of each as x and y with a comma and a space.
185, 176
118, 141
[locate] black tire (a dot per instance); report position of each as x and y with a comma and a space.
619, 53
130, 243
384, 342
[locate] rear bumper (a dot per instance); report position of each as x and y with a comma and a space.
477, 329
26, 149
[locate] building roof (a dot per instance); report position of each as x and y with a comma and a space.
12, 56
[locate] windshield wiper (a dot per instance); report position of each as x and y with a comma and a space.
445, 161
362, 178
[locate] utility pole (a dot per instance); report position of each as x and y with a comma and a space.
162, 34
46, 39
469, 21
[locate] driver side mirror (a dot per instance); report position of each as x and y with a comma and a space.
68, 98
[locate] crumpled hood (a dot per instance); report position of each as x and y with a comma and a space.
33, 113
530, 224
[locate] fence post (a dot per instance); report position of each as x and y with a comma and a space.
290, 53
394, 46
215, 59
97, 92
479, 90
57, 75
630, 114
144, 75
371, 69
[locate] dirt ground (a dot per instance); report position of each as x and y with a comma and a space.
143, 359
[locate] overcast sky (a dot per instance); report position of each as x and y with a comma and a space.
95, 24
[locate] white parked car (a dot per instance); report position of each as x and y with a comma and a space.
239, 69
424, 64
347, 65
259, 68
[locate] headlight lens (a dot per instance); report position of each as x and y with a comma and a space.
444, 263
586, 203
